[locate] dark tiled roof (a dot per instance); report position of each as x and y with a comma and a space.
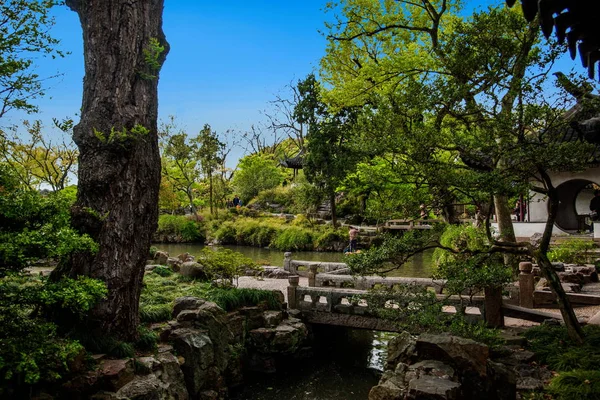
295, 162
575, 21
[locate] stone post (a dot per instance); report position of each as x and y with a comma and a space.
287, 261
312, 276
494, 317
526, 286
291, 291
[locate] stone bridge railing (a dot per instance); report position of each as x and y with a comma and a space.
348, 301
301, 268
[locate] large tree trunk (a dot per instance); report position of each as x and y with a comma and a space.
119, 174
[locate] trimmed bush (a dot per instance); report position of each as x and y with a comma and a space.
329, 238
253, 233
179, 228
293, 238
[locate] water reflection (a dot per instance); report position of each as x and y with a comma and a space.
345, 366
419, 266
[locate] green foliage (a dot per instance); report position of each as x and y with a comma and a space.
158, 293
147, 339
33, 226
552, 346
466, 264
226, 233
24, 39
283, 196
393, 252
162, 271
576, 385
151, 313
32, 350
224, 265
293, 238
331, 236
576, 251
181, 227
121, 136
233, 298
302, 221
253, 233
152, 56
255, 173
415, 309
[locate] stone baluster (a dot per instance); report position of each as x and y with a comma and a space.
291, 291
287, 261
312, 275
526, 285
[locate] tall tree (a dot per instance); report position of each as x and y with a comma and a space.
39, 161
467, 82
24, 28
209, 148
329, 157
119, 163
180, 166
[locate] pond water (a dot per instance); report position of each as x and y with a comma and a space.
346, 364
418, 267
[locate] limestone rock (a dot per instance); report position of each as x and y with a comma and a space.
186, 303
272, 318
174, 263
165, 382
193, 269
161, 257
185, 257
386, 391
114, 374
433, 387
465, 354
400, 349
197, 349
201, 336
570, 277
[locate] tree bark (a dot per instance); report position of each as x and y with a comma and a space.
119, 175
541, 255
333, 210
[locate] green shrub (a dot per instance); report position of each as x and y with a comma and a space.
147, 339
233, 298
183, 228
466, 271
293, 238
35, 226
552, 346
302, 221
162, 271
282, 196
226, 233
224, 265
253, 233
576, 385
576, 251
155, 312
31, 350
328, 238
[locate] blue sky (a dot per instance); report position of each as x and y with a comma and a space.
227, 60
